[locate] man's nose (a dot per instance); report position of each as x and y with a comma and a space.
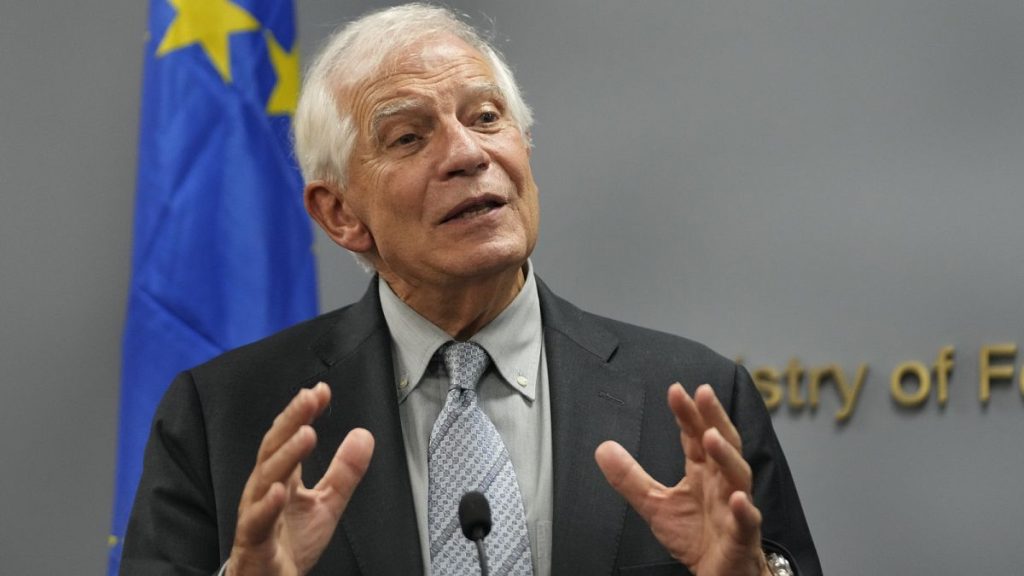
463, 153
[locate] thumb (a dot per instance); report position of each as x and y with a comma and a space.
625, 475
347, 469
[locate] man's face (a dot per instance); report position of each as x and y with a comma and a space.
440, 174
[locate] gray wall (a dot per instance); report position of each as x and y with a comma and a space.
69, 85
836, 181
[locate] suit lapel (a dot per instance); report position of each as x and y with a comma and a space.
379, 523
590, 402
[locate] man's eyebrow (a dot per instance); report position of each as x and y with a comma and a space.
486, 90
390, 110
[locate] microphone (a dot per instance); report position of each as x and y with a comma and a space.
475, 519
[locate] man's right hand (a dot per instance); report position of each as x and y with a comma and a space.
283, 527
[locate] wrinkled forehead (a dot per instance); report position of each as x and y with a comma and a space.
430, 53
432, 63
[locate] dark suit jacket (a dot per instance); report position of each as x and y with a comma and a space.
608, 381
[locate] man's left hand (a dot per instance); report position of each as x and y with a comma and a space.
708, 520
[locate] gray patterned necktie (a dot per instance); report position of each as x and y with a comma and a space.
466, 453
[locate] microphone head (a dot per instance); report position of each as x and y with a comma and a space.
475, 515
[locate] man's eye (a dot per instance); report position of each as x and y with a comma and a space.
405, 139
489, 117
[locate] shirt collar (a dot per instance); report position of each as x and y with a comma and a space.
513, 340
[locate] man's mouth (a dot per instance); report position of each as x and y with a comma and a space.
473, 208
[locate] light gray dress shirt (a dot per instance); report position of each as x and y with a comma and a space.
513, 393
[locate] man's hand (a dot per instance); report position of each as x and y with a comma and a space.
283, 526
708, 520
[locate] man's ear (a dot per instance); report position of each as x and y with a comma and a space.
326, 204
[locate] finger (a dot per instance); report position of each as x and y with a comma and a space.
691, 423
730, 462
256, 521
626, 475
714, 415
346, 470
302, 410
747, 518
283, 465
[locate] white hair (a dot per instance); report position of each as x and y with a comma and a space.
325, 133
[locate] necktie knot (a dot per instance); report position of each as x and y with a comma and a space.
465, 362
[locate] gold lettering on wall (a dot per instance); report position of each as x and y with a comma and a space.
794, 376
850, 395
910, 382
987, 372
943, 369
768, 382
902, 375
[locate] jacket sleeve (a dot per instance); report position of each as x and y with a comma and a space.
172, 528
784, 528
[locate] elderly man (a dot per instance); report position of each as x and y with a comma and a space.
342, 445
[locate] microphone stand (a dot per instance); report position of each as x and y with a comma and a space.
483, 557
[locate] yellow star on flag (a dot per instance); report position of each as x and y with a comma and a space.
285, 95
207, 22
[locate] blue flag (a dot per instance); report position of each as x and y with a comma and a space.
222, 249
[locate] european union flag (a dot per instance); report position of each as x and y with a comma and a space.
222, 246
